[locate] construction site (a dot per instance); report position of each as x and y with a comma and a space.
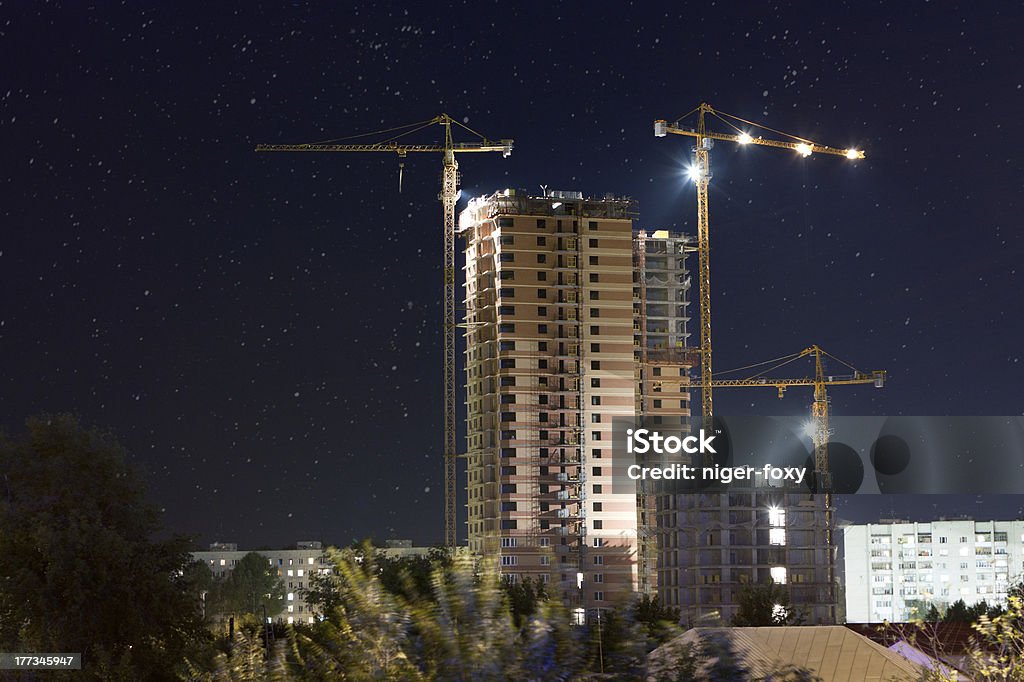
575, 316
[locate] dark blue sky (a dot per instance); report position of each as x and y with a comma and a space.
262, 331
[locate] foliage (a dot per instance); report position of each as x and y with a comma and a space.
997, 648
660, 622
251, 586
960, 612
464, 630
764, 605
80, 569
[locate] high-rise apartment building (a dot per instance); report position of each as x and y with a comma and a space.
559, 321
713, 544
895, 570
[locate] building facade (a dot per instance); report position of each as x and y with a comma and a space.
555, 328
714, 544
294, 566
896, 569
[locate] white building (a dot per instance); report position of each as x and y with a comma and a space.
293, 566
896, 569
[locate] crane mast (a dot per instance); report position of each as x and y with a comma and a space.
449, 197
819, 414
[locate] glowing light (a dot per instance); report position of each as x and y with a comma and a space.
745, 138
854, 154
804, 149
810, 429
694, 173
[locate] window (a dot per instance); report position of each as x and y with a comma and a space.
598, 524
595, 330
542, 364
509, 560
598, 560
595, 418
657, 403
592, 243
542, 293
542, 258
595, 295
595, 364
507, 274
545, 542
599, 542
595, 312
595, 435
778, 574
595, 383
507, 292
505, 222
542, 241
542, 276
596, 454
593, 260
597, 488
594, 277
541, 345
541, 223
506, 328
542, 329
592, 225
507, 345
506, 257
598, 506
595, 400
508, 506
657, 371
507, 363
596, 471
595, 348
507, 240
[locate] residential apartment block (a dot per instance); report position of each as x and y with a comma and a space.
293, 566
896, 569
559, 321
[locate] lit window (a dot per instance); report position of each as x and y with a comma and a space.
778, 574
776, 516
291, 620
291, 573
300, 572
291, 608
291, 596
777, 536
309, 560
223, 562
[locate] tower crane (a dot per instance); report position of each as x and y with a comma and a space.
449, 197
700, 173
819, 410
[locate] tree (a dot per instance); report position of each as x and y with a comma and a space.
763, 605
660, 622
80, 568
252, 585
997, 648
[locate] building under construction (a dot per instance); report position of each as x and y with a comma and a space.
572, 320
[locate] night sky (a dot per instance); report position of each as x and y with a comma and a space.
263, 331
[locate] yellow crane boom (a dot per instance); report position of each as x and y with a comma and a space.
448, 197
700, 172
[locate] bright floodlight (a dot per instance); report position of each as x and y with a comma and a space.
853, 154
693, 172
810, 429
804, 149
745, 138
